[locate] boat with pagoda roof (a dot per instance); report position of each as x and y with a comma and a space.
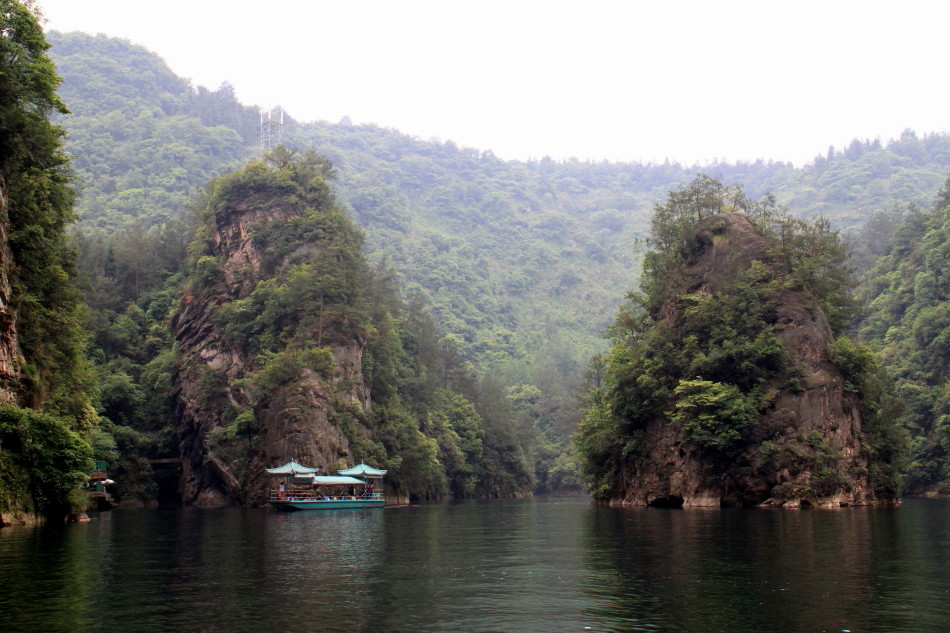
301, 488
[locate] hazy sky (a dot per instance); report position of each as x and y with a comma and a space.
689, 81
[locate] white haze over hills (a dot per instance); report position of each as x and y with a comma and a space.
622, 81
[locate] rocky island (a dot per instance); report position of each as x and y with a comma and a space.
727, 384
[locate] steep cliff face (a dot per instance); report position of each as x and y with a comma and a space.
231, 428
10, 360
10, 357
805, 448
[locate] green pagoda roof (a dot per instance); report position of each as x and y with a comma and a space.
362, 469
291, 468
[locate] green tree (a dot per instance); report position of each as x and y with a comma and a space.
715, 416
35, 180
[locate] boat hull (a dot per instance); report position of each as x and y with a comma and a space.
288, 505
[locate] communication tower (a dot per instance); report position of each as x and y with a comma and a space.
271, 123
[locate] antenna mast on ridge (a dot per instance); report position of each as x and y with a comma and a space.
271, 123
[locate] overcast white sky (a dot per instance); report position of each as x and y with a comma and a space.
689, 81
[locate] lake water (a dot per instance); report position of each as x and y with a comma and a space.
542, 565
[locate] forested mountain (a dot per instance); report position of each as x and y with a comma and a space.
847, 186
908, 316
521, 263
478, 235
141, 146
433, 424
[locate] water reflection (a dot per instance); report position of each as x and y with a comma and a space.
44, 578
191, 570
851, 569
483, 566
537, 565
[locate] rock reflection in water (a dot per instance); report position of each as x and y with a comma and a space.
764, 570
528, 566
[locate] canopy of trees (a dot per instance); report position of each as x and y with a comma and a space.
908, 316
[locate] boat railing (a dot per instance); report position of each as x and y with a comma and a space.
309, 494
292, 493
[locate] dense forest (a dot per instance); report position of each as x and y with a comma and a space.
907, 315
492, 280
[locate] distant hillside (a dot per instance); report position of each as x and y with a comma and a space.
522, 263
140, 136
513, 255
846, 186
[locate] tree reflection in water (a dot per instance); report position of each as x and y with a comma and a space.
536, 565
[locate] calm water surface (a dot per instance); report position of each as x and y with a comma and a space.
542, 565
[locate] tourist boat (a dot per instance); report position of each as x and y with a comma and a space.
301, 488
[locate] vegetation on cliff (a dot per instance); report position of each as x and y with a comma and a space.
130, 280
47, 411
704, 352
